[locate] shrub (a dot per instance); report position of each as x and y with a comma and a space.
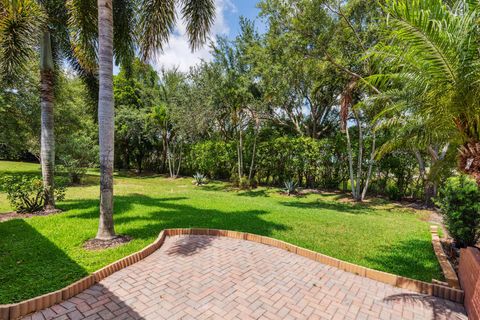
459, 203
74, 169
393, 192
215, 158
199, 179
76, 155
290, 187
26, 193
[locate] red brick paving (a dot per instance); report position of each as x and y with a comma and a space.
203, 277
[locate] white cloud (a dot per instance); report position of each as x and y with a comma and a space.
178, 54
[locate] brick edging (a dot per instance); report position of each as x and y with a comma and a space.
16, 310
447, 268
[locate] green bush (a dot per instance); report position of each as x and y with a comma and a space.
26, 193
459, 203
76, 155
393, 192
215, 158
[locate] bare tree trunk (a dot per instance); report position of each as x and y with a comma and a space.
253, 152
47, 140
422, 173
350, 162
106, 118
370, 165
360, 157
179, 163
240, 150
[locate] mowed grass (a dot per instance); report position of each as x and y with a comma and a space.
42, 254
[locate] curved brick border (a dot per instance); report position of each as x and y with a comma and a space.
447, 269
14, 311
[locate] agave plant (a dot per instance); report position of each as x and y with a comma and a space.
199, 179
290, 187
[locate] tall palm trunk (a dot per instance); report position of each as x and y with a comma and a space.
106, 118
47, 140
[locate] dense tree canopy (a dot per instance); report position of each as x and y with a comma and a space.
364, 96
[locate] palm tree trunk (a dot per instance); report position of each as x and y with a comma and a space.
106, 118
47, 140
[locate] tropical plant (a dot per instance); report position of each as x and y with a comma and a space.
200, 179
433, 49
38, 29
459, 202
26, 193
290, 187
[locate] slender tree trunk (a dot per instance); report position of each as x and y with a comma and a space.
106, 118
423, 174
253, 154
240, 151
179, 163
47, 140
350, 163
370, 165
360, 158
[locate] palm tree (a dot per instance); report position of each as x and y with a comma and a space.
434, 49
26, 25
156, 20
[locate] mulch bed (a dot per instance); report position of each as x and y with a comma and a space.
15, 215
95, 244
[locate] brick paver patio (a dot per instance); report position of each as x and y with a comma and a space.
203, 277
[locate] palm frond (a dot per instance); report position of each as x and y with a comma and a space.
199, 16
21, 22
156, 22
83, 26
124, 23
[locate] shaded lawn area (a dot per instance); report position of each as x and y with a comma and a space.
42, 254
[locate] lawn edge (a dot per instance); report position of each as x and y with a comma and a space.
22, 308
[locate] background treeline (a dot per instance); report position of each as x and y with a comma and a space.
303, 102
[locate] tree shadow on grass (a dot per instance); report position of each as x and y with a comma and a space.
253, 193
336, 206
166, 213
30, 264
413, 258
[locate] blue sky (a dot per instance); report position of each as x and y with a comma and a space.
228, 12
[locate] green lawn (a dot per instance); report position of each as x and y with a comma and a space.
42, 254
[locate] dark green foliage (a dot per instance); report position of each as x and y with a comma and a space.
26, 193
77, 155
459, 202
215, 158
308, 161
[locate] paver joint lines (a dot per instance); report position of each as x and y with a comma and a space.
204, 277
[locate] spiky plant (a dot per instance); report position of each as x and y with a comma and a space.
199, 179
290, 187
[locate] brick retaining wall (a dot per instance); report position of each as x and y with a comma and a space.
469, 274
